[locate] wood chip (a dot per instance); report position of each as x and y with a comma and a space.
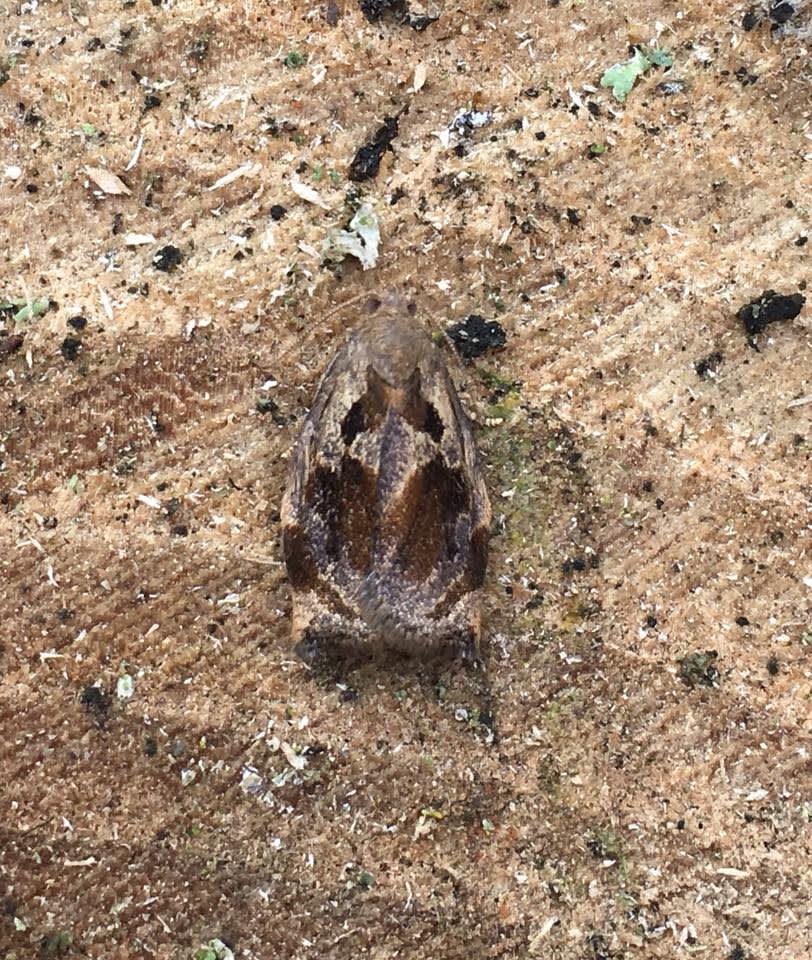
247, 169
296, 760
138, 239
107, 182
546, 927
307, 193
420, 74
136, 153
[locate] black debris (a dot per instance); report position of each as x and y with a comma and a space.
419, 22
374, 9
70, 348
744, 76
278, 211
707, 366
768, 308
742, 621
801, 241
167, 258
9, 345
751, 21
97, 703
475, 335
367, 160
773, 666
78, 323
698, 669
781, 13
151, 100
573, 216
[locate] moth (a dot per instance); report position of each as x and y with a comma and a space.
386, 516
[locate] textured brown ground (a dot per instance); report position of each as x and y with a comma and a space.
619, 812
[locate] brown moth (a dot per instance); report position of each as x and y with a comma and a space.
385, 518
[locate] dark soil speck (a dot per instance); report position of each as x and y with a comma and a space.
781, 13
707, 366
374, 9
97, 703
167, 258
70, 348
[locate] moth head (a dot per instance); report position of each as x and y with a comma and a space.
392, 301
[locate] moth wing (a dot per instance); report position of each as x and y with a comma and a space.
459, 451
311, 438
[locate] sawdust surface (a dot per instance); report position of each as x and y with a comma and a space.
639, 783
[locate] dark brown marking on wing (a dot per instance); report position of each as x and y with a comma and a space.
418, 412
433, 425
343, 508
470, 578
302, 568
423, 523
369, 411
354, 422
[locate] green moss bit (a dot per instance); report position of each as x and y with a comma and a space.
697, 669
294, 59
